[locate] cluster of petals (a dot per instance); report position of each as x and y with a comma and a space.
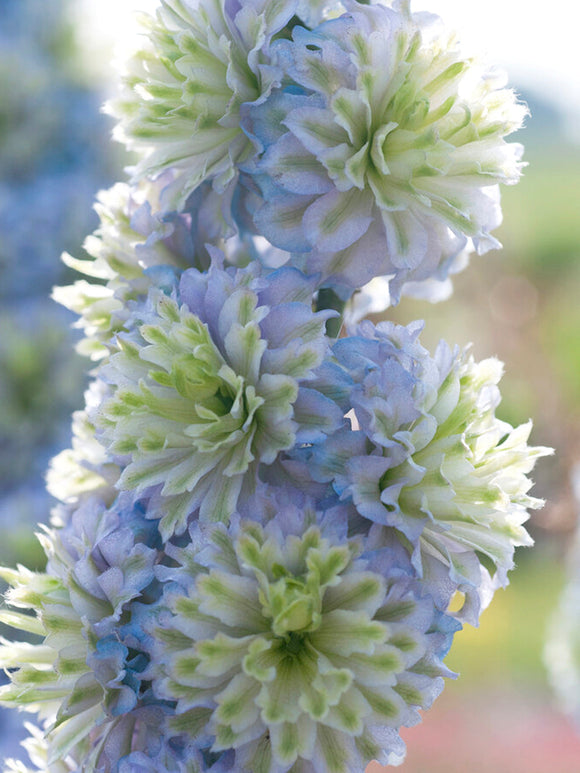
185, 91
212, 384
292, 648
261, 527
428, 459
82, 672
133, 249
357, 138
387, 160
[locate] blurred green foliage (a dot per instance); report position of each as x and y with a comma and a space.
55, 154
507, 648
542, 227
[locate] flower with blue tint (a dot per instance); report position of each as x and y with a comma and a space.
131, 251
184, 92
83, 675
136, 248
428, 458
212, 384
261, 526
282, 643
385, 149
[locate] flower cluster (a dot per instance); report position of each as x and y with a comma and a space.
367, 145
285, 645
267, 514
214, 384
429, 461
389, 156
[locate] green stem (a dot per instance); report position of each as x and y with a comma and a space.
328, 299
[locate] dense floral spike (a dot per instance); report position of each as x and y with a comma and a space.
429, 458
214, 383
83, 677
289, 152
387, 162
204, 61
292, 650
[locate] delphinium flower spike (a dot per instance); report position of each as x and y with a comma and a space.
261, 529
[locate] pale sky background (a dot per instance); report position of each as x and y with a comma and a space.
537, 44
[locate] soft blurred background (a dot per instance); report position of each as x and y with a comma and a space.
520, 304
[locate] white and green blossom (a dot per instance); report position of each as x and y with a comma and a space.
77, 674
213, 384
135, 248
385, 156
129, 253
290, 649
429, 459
203, 61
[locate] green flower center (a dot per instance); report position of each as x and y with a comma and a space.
293, 607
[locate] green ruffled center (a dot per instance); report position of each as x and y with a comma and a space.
294, 636
189, 418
